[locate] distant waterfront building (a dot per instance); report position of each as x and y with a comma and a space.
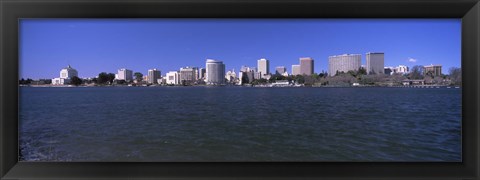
389, 70
248, 69
124, 74
402, 69
295, 69
280, 70
258, 75
435, 70
263, 67
162, 80
153, 76
173, 78
248, 74
66, 75
215, 73
231, 76
375, 62
187, 74
247, 77
306, 66
201, 73
344, 63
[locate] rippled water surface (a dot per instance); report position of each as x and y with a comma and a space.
239, 124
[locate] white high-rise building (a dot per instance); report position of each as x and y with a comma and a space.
375, 63
173, 78
296, 69
344, 63
153, 76
124, 74
215, 72
263, 67
66, 75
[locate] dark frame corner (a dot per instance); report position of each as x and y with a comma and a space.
467, 10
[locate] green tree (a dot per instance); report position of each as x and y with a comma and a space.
416, 72
75, 81
138, 76
262, 81
102, 78
299, 79
361, 71
110, 77
21, 81
28, 81
455, 75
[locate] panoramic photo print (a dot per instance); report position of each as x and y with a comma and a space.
240, 90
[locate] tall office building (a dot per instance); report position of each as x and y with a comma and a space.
344, 63
306, 66
188, 74
201, 73
280, 70
263, 67
375, 63
153, 76
295, 69
435, 70
215, 73
124, 74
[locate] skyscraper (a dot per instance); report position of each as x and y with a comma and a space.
201, 73
215, 73
124, 74
187, 74
375, 63
263, 67
280, 70
295, 69
344, 63
306, 66
153, 76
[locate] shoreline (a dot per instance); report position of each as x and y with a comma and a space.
266, 86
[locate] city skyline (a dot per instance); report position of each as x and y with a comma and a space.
109, 45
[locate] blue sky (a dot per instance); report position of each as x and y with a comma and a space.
105, 45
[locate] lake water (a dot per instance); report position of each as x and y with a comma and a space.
239, 124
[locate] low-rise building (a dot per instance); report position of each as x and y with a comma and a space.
66, 75
173, 78
435, 70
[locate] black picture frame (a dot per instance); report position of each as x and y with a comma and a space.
12, 10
